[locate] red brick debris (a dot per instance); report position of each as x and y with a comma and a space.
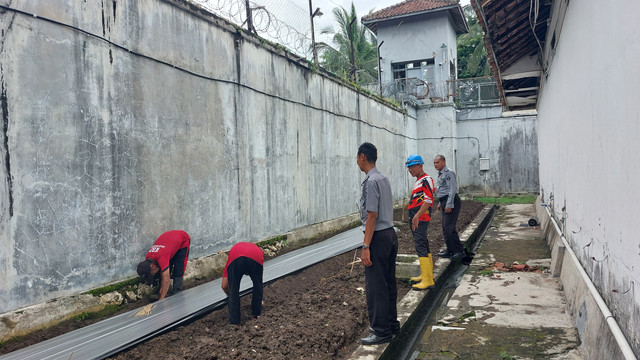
500, 266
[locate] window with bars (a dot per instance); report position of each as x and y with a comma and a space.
400, 69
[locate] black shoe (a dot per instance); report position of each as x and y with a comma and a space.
458, 255
394, 331
374, 339
445, 254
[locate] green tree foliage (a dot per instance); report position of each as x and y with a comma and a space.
472, 55
338, 59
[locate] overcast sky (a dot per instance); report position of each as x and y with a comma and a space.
362, 8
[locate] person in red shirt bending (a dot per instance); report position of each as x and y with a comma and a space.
244, 259
168, 256
420, 206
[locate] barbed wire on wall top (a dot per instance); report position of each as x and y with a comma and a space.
291, 34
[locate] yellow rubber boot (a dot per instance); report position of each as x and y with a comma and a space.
417, 279
426, 267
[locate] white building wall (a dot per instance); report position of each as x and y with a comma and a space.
588, 127
510, 144
436, 132
452, 46
410, 39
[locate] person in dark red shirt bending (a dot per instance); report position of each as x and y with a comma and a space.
168, 256
244, 259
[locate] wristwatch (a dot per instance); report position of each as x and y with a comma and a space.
365, 246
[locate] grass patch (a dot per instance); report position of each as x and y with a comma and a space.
486, 272
508, 199
272, 241
468, 315
505, 356
106, 311
115, 287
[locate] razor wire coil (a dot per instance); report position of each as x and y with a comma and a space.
292, 32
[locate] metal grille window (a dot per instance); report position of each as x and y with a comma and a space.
477, 91
399, 71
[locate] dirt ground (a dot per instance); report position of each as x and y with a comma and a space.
316, 313
468, 212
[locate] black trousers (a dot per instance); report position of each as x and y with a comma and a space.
451, 237
380, 282
235, 271
420, 240
178, 263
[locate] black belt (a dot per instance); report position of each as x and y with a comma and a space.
375, 231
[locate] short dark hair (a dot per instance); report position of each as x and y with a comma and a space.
370, 152
144, 270
441, 157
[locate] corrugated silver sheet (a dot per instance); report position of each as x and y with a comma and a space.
115, 334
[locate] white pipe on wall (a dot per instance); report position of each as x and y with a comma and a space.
611, 321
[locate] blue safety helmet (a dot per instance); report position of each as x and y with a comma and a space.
414, 160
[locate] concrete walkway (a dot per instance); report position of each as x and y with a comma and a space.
503, 311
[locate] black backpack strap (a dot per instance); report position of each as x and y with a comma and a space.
424, 181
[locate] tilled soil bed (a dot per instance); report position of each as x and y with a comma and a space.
316, 313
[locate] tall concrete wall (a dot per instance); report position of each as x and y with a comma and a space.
436, 133
122, 120
589, 153
465, 135
509, 142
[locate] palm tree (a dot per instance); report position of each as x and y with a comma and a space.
472, 55
355, 62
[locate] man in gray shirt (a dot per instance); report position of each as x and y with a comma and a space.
449, 203
379, 249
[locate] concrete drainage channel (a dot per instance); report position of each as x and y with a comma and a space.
426, 315
417, 307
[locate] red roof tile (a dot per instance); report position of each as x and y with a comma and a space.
408, 7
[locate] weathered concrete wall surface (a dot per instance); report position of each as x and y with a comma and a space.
465, 135
509, 142
436, 133
122, 120
597, 338
589, 153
